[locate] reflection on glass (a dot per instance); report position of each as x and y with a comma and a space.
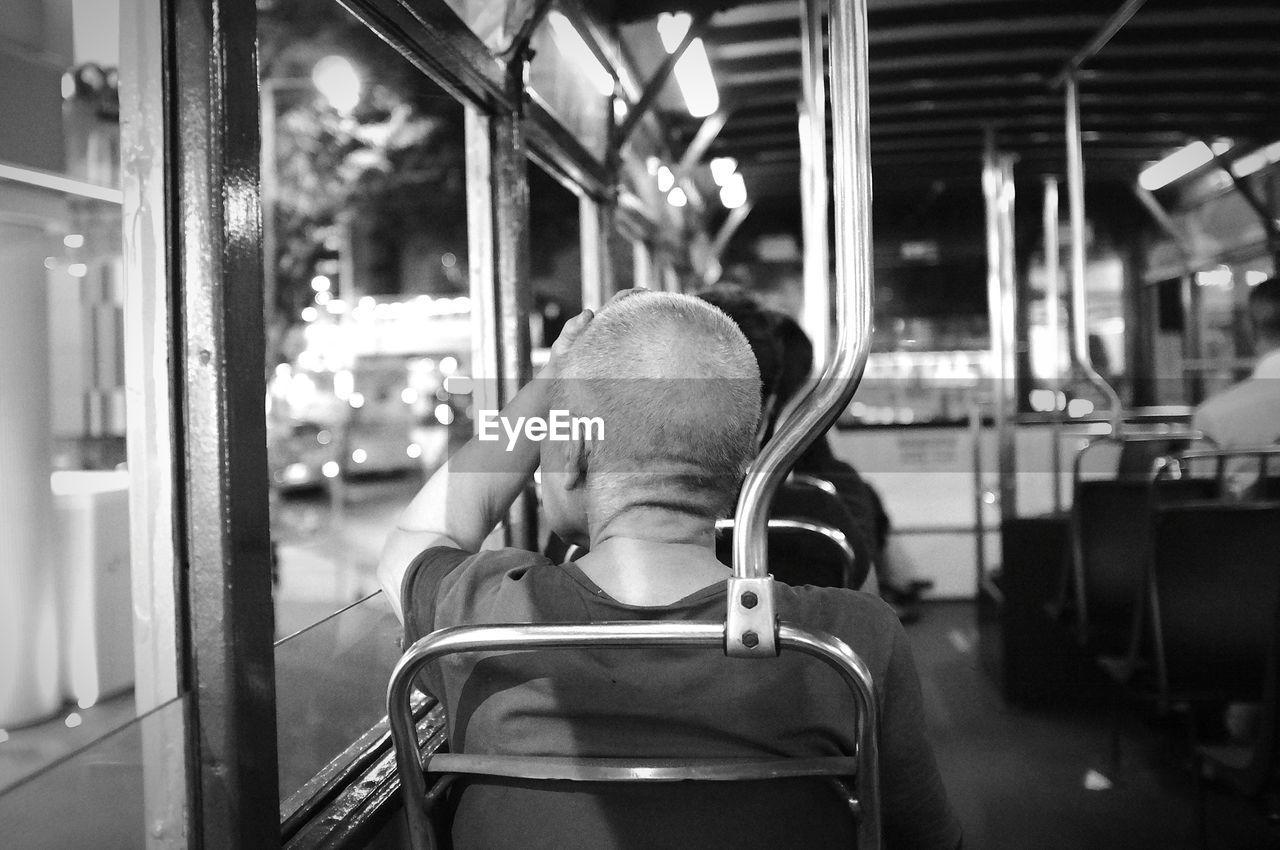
331, 682
97, 797
66, 615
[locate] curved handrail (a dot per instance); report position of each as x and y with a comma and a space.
1175, 465
628, 635
1079, 298
824, 402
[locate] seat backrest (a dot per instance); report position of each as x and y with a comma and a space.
808, 499
807, 812
1112, 529
1138, 456
858, 774
801, 552
1215, 586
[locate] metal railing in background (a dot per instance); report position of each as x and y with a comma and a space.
1053, 320
1079, 295
813, 181
998, 192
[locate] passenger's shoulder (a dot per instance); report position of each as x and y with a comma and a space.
837, 609
500, 563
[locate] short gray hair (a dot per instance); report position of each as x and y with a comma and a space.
678, 389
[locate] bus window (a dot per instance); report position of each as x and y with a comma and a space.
369, 331
555, 257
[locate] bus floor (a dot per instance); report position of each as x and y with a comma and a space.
1026, 778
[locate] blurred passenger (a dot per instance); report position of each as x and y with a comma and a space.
784, 351
1248, 414
679, 393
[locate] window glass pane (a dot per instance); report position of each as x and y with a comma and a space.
367, 299
96, 796
555, 256
70, 655
571, 83
331, 683
364, 204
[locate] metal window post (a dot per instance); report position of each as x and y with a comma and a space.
595, 233
215, 237
498, 244
998, 192
1053, 323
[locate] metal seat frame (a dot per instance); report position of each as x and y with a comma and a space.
863, 768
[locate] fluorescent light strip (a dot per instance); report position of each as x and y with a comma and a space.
734, 192
1179, 164
722, 168
693, 70
1256, 161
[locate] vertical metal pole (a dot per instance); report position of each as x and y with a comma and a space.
1079, 295
498, 242
979, 518
216, 238
270, 192
1007, 447
1053, 322
1193, 335
595, 222
825, 401
813, 182
997, 187
641, 264
150, 421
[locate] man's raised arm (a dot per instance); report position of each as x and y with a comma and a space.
464, 500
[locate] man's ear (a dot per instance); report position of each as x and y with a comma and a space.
765, 426
575, 462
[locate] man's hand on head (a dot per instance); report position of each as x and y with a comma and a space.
573, 330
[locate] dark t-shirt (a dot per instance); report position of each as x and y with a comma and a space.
675, 702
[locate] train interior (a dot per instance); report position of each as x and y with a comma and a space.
267, 262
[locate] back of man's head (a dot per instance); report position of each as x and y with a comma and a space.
677, 388
756, 324
1264, 309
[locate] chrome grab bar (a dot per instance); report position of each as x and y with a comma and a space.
629, 635
1174, 466
1079, 297
749, 631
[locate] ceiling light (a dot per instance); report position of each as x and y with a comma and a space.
722, 168
1179, 164
1256, 161
693, 70
665, 179
677, 198
734, 192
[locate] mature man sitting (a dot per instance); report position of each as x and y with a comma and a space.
678, 391
1248, 414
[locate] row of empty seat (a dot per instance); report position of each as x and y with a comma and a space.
1174, 587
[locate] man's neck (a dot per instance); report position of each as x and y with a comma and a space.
653, 557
